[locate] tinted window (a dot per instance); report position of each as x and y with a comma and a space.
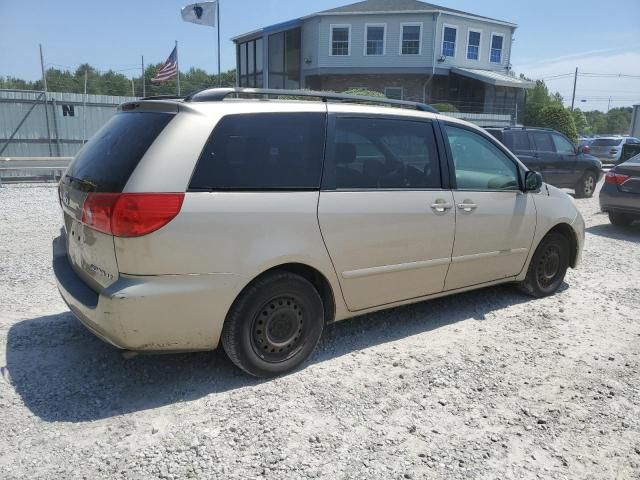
385, 153
263, 151
108, 160
520, 141
606, 142
479, 164
543, 141
563, 145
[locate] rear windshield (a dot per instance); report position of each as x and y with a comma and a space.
108, 160
606, 142
263, 151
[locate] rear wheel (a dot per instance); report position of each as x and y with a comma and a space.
274, 326
548, 266
620, 219
586, 186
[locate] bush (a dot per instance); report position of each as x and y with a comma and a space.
444, 107
559, 118
363, 92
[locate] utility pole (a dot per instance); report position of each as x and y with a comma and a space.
575, 81
133, 88
84, 109
46, 108
144, 89
609, 105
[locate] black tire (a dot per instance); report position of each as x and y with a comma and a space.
620, 219
586, 186
548, 266
274, 325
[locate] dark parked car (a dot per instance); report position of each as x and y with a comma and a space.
620, 194
560, 162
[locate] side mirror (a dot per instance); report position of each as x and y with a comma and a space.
584, 149
532, 181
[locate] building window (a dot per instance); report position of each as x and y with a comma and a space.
496, 47
473, 45
340, 40
411, 39
449, 35
284, 59
394, 93
374, 39
250, 64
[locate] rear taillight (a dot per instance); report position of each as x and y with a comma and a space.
613, 178
130, 214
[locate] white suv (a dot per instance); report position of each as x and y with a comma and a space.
255, 222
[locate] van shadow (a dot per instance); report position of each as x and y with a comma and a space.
65, 374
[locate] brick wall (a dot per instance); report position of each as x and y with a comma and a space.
412, 85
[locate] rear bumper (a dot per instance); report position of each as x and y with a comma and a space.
613, 200
149, 313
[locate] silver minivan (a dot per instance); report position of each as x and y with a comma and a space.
253, 222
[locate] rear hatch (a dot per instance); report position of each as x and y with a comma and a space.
101, 168
602, 147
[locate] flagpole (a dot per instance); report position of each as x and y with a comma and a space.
178, 67
218, 21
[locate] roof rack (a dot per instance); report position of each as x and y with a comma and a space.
219, 94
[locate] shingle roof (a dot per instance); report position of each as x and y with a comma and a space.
373, 6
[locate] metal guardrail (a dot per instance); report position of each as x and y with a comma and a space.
30, 169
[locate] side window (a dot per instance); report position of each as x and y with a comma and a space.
479, 164
385, 153
263, 151
520, 141
543, 141
563, 145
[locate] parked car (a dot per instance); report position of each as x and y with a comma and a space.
620, 194
552, 154
608, 149
253, 223
585, 142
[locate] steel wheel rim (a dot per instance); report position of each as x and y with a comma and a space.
277, 331
589, 184
548, 267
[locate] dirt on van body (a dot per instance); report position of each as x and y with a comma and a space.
487, 384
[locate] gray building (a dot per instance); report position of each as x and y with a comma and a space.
405, 49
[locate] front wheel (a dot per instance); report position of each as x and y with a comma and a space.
548, 266
274, 325
586, 186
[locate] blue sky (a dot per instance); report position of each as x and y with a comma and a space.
554, 36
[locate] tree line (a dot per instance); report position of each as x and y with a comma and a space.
111, 82
546, 109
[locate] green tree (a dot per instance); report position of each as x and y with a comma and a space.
580, 119
559, 118
619, 120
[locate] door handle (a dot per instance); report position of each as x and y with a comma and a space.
467, 207
441, 207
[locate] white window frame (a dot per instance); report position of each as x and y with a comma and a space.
466, 52
411, 24
496, 34
331, 28
384, 38
395, 88
455, 45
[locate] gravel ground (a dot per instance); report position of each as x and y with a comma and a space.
487, 384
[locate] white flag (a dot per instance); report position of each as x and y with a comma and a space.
203, 13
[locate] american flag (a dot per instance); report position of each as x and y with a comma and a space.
169, 68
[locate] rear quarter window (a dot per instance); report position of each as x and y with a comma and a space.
108, 160
263, 151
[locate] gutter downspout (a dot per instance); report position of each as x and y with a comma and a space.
433, 59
